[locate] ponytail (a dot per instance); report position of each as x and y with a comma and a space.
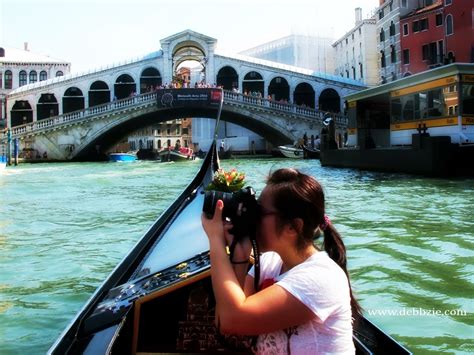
334, 247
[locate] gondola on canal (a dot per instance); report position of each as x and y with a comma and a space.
310, 153
159, 298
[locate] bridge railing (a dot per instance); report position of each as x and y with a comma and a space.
283, 106
82, 114
229, 96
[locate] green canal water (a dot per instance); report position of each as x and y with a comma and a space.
64, 227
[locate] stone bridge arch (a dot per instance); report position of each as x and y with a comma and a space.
105, 133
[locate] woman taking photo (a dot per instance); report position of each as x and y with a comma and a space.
304, 304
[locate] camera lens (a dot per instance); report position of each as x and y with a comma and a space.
210, 202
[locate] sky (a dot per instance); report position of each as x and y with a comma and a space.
94, 33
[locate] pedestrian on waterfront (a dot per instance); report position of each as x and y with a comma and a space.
312, 141
305, 139
317, 142
304, 304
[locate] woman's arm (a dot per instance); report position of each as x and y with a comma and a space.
239, 312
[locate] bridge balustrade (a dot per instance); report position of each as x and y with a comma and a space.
229, 96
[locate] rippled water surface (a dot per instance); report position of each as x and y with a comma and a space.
64, 227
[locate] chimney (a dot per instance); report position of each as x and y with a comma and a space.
25, 46
358, 15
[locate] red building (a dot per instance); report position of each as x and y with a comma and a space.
441, 32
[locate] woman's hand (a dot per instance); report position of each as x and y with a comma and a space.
214, 227
242, 249
218, 230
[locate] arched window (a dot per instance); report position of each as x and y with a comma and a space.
33, 76
8, 79
22, 78
59, 73
382, 59
43, 75
449, 25
382, 35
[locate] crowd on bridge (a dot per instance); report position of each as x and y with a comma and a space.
176, 84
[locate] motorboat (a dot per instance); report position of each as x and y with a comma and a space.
122, 157
159, 298
180, 154
291, 151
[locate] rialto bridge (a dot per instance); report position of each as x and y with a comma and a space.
75, 116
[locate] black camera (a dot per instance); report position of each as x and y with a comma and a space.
240, 207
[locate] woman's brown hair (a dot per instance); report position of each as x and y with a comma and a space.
297, 195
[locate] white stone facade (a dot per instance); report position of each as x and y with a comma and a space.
33, 67
388, 37
356, 52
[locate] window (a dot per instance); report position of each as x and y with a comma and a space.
406, 56
347, 73
43, 76
405, 29
424, 24
22, 78
1, 83
416, 26
449, 25
33, 77
381, 14
382, 59
404, 3
353, 73
361, 70
8, 79
393, 54
392, 29
59, 73
382, 35
177, 130
439, 20
185, 131
425, 52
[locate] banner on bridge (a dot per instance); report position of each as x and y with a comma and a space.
188, 97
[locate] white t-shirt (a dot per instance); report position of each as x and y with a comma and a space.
322, 286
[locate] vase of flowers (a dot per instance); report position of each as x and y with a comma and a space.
227, 181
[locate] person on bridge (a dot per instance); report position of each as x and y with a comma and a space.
304, 304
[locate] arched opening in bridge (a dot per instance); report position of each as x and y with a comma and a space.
189, 64
47, 107
279, 89
150, 79
21, 113
253, 83
99, 93
228, 78
73, 100
304, 95
124, 87
329, 100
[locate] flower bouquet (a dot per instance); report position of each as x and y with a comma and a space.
227, 181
